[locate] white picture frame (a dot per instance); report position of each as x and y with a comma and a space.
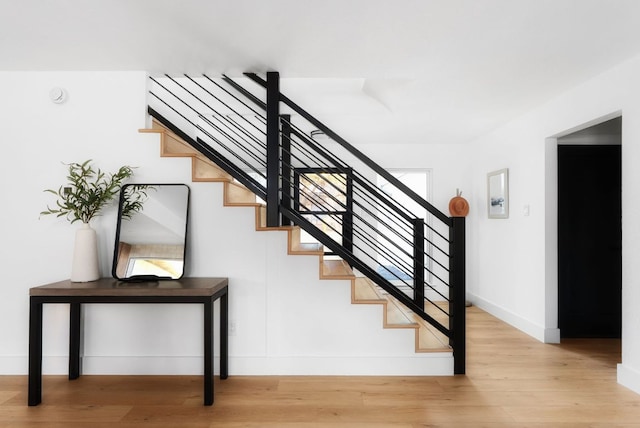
498, 194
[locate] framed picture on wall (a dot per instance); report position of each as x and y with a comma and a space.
498, 193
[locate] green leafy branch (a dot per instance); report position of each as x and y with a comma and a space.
87, 192
134, 196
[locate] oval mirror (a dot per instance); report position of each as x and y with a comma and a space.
151, 234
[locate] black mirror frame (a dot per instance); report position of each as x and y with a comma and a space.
142, 278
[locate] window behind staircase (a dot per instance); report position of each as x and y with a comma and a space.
324, 197
395, 263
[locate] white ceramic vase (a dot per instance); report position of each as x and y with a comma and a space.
85, 255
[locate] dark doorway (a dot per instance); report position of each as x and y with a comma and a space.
589, 241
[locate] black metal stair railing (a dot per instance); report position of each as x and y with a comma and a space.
340, 197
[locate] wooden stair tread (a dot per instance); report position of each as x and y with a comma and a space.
203, 169
261, 220
306, 248
397, 317
364, 292
235, 194
428, 338
174, 146
156, 128
155, 124
436, 313
335, 269
302, 248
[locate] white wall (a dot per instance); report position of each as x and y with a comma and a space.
286, 319
448, 163
513, 270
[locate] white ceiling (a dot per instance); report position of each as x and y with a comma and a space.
418, 71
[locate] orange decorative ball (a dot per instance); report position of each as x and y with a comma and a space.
458, 206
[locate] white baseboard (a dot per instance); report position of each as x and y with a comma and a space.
422, 364
427, 364
156, 365
59, 365
629, 378
14, 365
545, 335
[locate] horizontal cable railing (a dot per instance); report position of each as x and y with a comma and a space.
341, 198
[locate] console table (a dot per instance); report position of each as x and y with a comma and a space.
203, 291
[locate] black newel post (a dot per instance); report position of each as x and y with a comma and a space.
418, 262
458, 294
287, 173
273, 149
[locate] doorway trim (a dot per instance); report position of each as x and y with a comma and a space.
551, 331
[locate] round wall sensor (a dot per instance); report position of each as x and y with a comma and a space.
58, 95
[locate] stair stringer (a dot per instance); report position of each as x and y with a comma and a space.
363, 291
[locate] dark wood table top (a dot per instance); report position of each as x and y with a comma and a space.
114, 287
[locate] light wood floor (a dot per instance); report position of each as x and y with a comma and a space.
512, 381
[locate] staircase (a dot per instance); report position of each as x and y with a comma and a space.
430, 305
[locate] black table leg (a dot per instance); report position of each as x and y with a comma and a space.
35, 352
208, 352
75, 339
224, 336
